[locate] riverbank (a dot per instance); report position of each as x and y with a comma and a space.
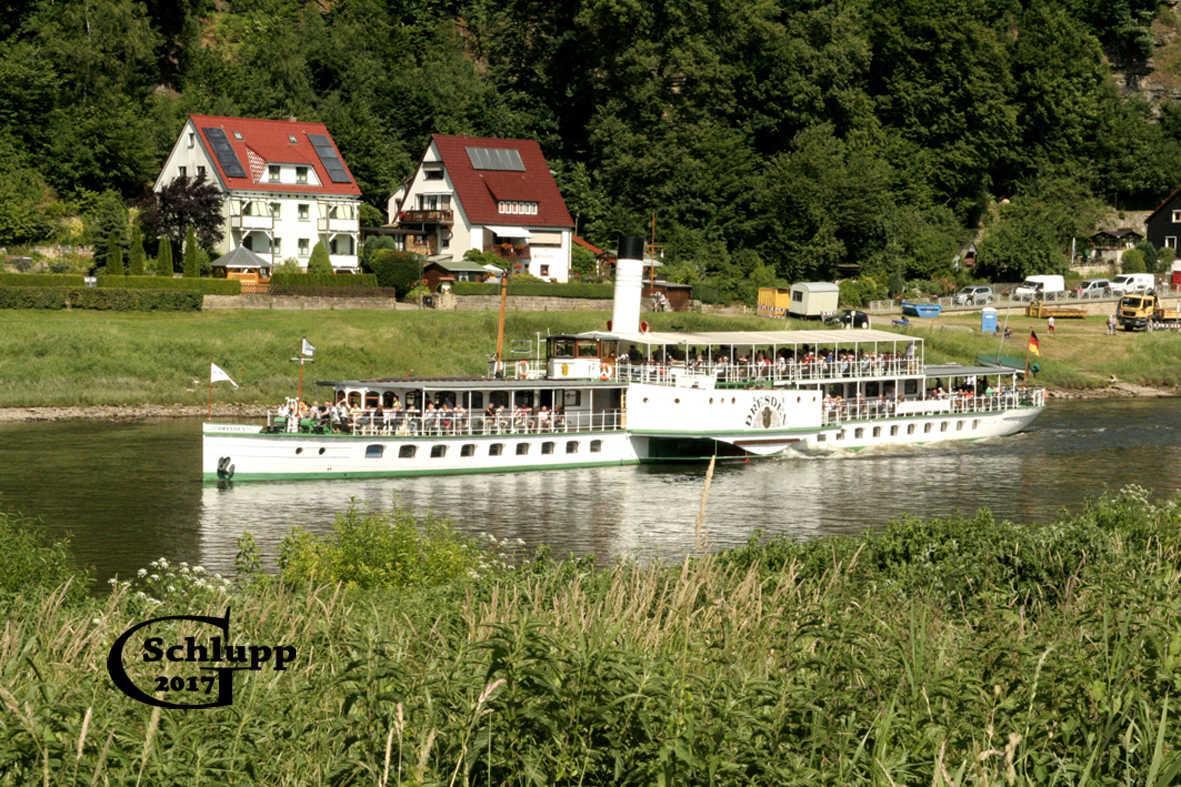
146, 364
946, 651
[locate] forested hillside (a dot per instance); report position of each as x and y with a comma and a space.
768, 138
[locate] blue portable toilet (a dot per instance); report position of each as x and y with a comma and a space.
988, 320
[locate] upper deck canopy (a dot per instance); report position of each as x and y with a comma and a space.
756, 338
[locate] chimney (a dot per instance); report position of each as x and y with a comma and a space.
629, 276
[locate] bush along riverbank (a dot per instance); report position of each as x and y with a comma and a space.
938, 652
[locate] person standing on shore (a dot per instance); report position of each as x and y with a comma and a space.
1050, 325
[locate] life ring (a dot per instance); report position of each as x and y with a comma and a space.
605, 371
643, 326
522, 369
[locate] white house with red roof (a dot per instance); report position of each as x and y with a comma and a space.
490, 194
286, 186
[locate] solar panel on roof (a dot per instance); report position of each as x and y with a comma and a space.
496, 158
332, 163
224, 152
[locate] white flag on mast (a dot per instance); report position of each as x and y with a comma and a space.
306, 349
218, 374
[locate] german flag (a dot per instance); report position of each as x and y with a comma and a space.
1034, 347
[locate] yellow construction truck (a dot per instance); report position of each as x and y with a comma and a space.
1145, 311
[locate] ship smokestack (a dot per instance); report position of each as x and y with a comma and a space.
629, 277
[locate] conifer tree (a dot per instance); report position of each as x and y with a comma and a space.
319, 262
192, 263
115, 254
136, 258
164, 260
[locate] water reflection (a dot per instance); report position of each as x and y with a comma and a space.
129, 492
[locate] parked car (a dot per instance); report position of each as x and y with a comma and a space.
1127, 283
850, 317
974, 295
1093, 288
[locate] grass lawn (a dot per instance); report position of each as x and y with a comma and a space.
84, 357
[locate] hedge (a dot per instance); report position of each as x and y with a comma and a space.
571, 290
203, 286
109, 299
41, 280
297, 281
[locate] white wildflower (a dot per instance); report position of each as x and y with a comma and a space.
198, 569
163, 563
96, 621
154, 577
171, 589
143, 572
183, 565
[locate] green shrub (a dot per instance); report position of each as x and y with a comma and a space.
707, 292
205, 286
319, 264
41, 280
164, 260
106, 299
297, 281
398, 269
191, 260
378, 550
570, 290
30, 563
1132, 261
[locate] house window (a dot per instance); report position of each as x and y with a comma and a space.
304, 213
276, 209
516, 207
1170, 241
192, 139
301, 175
303, 247
276, 245
433, 174
407, 451
797, 296
200, 172
545, 270
182, 170
273, 173
1177, 217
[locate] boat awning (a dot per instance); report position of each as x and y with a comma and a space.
757, 338
958, 370
508, 232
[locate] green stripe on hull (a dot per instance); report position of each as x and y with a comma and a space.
247, 477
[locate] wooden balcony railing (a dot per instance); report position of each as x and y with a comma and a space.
425, 217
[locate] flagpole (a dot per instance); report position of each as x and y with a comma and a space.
299, 388
210, 398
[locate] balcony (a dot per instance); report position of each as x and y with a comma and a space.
327, 224
343, 261
425, 217
252, 222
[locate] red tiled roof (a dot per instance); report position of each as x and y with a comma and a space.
269, 141
584, 243
479, 190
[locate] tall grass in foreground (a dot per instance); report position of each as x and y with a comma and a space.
952, 651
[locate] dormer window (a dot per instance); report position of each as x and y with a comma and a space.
273, 173
237, 135
433, 173
291, 138
517, 207
301, 175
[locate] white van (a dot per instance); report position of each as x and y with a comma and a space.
1048, 286
1132, 282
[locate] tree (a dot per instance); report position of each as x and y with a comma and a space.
1132, 261
115, 265
583, 262
136, 262
164, 260
184, 205
319, 263
398, 269
192, 262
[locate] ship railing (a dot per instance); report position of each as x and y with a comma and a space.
767, 373
522, 369
415, 423
868, 409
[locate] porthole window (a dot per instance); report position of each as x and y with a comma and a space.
407, 451
299, 451
496, 449
645, 400
374, 451
572, 446
438, 451
676, 401
467, 450
321, 452
596, 446
547, 447
711, 400
522, 449
859, 433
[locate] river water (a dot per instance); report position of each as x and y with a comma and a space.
127, 493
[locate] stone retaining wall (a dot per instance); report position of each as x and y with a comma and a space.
531, 303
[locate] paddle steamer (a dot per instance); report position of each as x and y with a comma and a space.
629, 395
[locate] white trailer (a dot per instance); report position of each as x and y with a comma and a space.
813, 299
